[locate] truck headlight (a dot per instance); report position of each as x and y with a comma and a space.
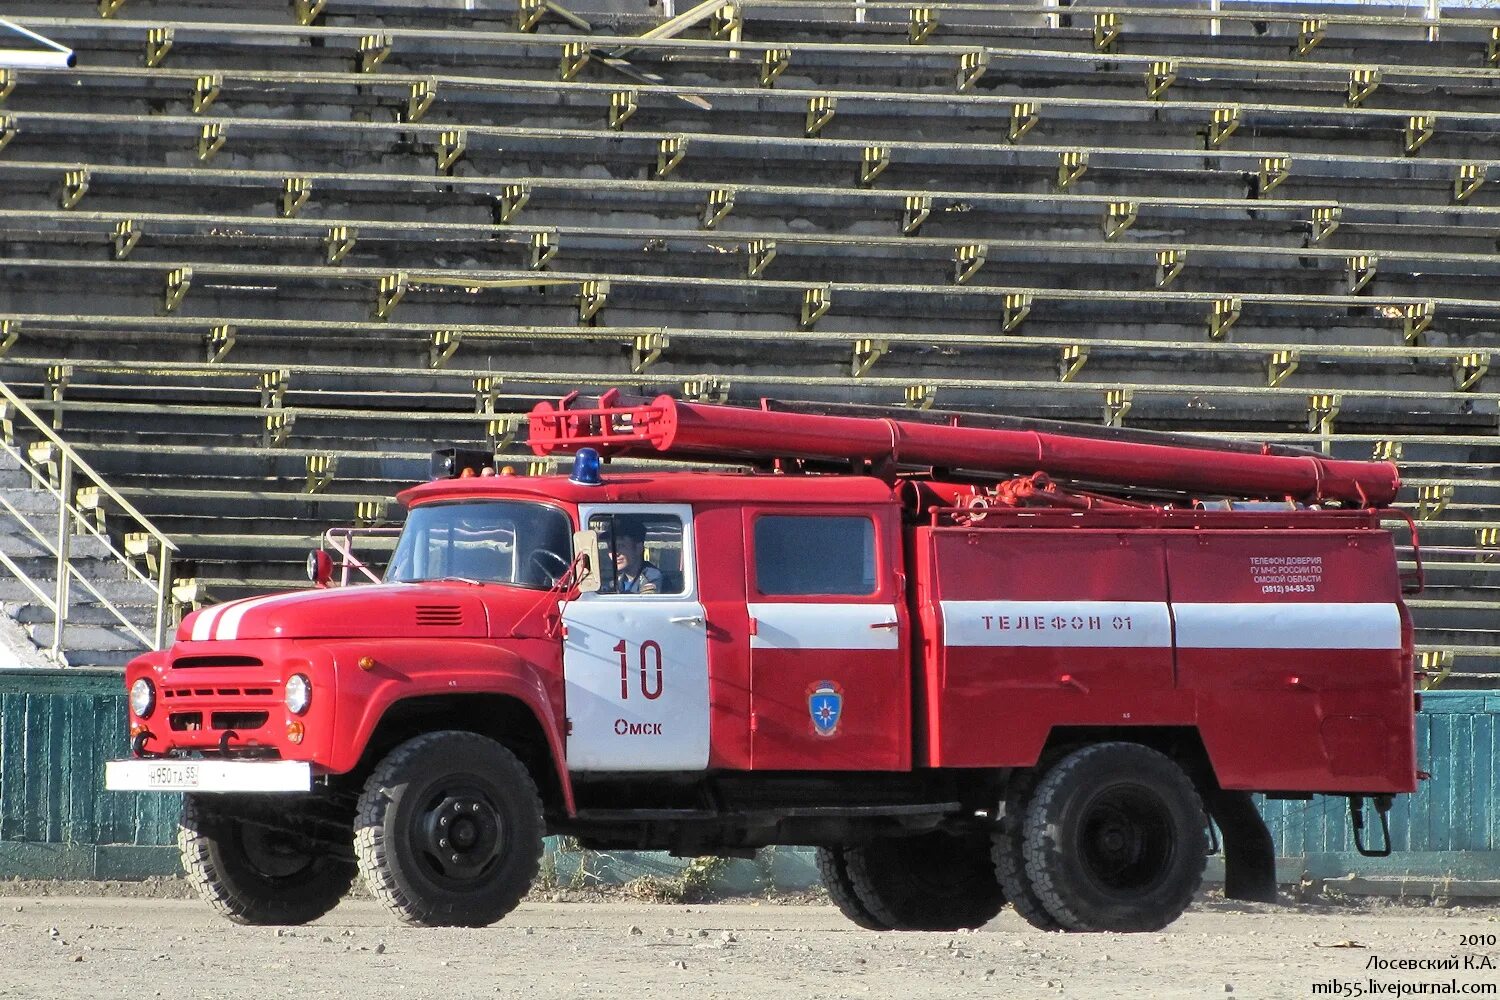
142, 697
298, 694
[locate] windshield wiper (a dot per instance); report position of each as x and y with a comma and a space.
452, 579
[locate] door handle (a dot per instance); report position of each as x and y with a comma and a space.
694, 620
885, 624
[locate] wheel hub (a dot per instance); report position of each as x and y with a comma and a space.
1127, 844
463, 835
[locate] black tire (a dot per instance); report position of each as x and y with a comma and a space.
460, 794
1115, 839
1009, 856
256, 875
931, 882
835, 871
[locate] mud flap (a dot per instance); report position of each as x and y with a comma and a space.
1249, 853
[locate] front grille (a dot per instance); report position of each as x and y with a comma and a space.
440, 615
188, 662
182, 722
255, 692
239, 720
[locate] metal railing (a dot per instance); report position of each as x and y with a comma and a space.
55, 469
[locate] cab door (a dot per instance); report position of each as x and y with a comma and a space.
829, 684
635, 666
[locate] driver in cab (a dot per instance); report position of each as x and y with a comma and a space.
633, 574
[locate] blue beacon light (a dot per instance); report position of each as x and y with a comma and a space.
586, 468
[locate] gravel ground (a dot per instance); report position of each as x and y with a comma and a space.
58, 944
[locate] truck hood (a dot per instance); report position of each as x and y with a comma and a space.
385, 610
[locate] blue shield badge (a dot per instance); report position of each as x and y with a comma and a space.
825, 703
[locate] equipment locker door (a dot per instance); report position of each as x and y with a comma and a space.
829, 686
635, 656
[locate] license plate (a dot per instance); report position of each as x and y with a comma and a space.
173, 776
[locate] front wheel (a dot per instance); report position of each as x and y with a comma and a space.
449, 830
1115, 839
255, 873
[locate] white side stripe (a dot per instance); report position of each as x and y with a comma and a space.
1287, 626
824, 626
229, 623
1099, 624
203, 625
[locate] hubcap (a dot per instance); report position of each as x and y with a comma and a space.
461, 835
1126, 841
273, 854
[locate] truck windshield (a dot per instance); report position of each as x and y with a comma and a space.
492, 541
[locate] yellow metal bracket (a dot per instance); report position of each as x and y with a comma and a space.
10, 332
441, 346
873, 162
820, 111
719, 204
916, 209
646, 349
1224, 123
294, 194
669, 154
1106, 31
1071, 165
486, 393
706, 390
179, 280
592, 295
127, 234
971, 67
1469, 369
1070, 361
1310, 34
1322, 409
368, 513
1359, 271
273, 385
374, 50
1419, 129
420, 96
1387, 451
1169, 264
1487, 538
760, 252
1362, 83
1280, 366
1160, 76
1492, 47
337, 243
1432, 500
307, 11
1023, 118
1416, 319
919, 396
1274, 170
211, 139
219, 342
320, 472
867, 351
513, 198
451, 147
1435, 666
109, 8
529, 14
543, 247
1015, 307
8, 130
815, 302
1117, 404
922, 22
1118, 217
1223, 315
75, 186
967, 260
623, 104
575, 55
1325, 222
773, 63
206, 90
7, 82
158, 43
1470, 177
390, 292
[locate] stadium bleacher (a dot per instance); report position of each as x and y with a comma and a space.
259, 259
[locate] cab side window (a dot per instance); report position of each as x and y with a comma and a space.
639, 553
814, 554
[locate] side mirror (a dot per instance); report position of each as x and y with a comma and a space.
319, 567
586, 557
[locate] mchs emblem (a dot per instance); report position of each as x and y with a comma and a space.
825, 702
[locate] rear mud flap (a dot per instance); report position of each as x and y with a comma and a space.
1249, 853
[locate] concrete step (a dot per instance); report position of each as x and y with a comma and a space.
99, 658
82, 614
89, 639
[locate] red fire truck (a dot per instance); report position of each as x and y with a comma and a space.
973, 660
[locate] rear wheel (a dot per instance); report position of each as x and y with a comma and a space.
449, 831
1115, 839
1009, 855
835, 871
253, 873
931, 882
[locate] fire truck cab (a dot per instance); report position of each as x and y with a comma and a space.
971, 660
